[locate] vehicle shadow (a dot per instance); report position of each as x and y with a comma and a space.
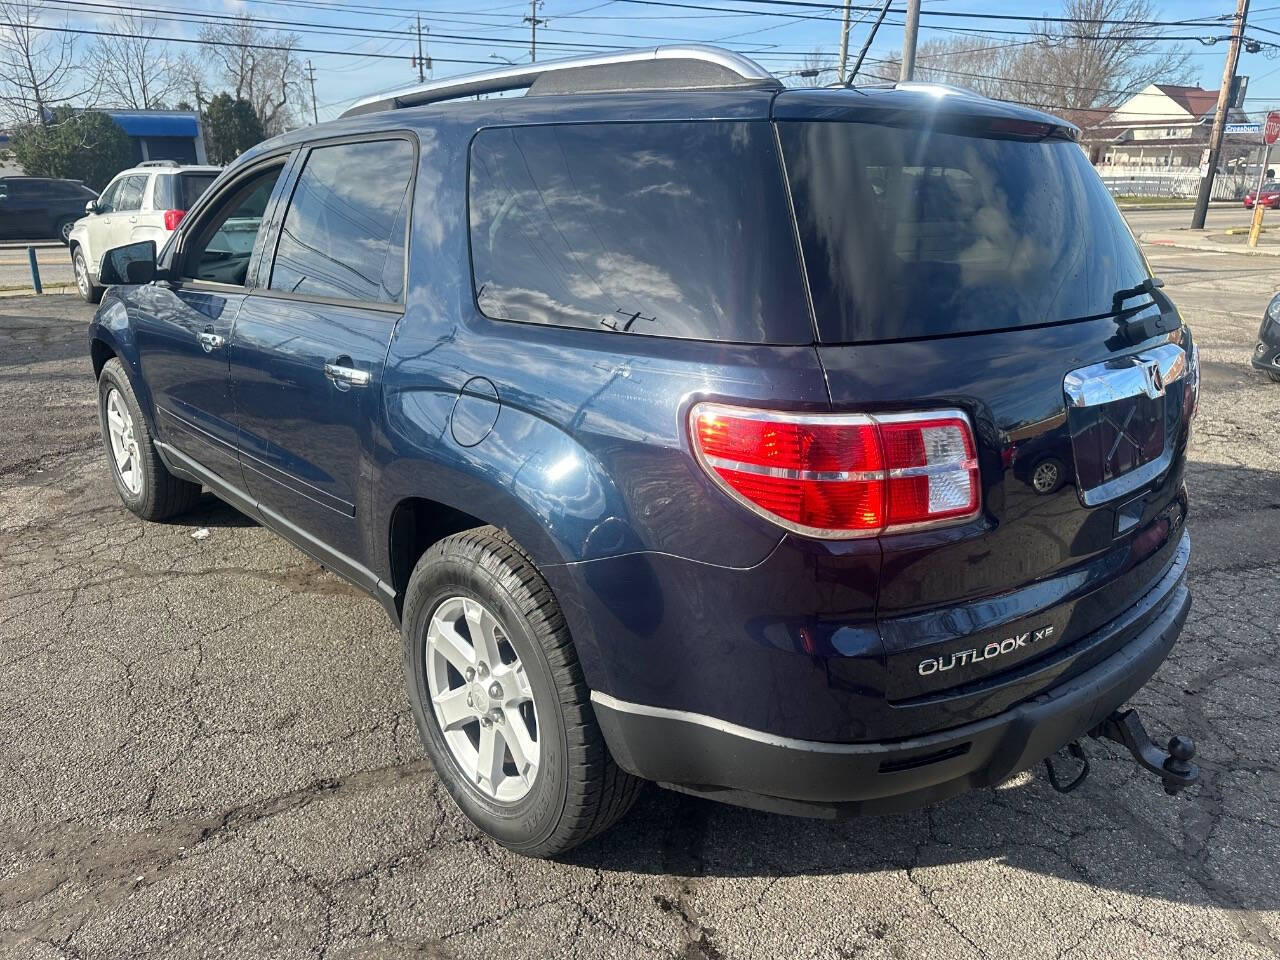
1119, 832
214, 513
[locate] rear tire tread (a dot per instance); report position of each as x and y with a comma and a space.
599, 792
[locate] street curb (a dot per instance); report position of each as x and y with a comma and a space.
1164, 240
1176, 205
29, 292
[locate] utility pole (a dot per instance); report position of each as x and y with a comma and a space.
844, 40
1220, 115
422, 76
311, 74
534, 22
909, 32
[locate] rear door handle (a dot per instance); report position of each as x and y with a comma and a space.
210, 342
346, 377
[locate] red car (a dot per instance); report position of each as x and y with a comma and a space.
1270, 195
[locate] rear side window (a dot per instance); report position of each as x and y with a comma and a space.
660, 229
180, 191
344, 233
913, 232
130, 195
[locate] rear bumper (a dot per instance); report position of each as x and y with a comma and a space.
702, 755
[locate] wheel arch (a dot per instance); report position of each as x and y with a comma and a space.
111, 335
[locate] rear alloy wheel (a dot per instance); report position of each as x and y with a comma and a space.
64, 231
482, 700
89, 292
500, 701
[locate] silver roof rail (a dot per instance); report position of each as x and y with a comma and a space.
680, 67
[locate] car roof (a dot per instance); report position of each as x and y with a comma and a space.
41, 179
177, 168
890, 104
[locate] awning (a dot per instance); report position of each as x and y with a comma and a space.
145, 123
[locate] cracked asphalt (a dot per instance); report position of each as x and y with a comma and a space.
206, 749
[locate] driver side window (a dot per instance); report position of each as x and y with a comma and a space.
223, 243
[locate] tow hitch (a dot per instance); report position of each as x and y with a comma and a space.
1172, 766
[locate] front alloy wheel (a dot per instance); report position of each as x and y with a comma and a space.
124, 444
89, 292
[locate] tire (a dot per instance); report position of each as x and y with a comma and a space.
89, 291
1274, 375
147, 487
63, 230
578, 791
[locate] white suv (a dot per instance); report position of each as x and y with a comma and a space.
146, 202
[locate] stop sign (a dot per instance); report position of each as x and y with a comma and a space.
1271, 131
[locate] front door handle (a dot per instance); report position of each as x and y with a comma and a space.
346, 377
210, 342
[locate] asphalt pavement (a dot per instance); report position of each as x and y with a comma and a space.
206, 749
1217, 218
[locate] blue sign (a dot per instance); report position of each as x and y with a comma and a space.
1244, 128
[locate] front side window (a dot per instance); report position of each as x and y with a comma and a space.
107, 202
343, 235
660, 229
222, 244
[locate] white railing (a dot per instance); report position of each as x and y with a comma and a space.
1173, 185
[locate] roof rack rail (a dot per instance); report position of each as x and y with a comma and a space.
158, 163
677, 67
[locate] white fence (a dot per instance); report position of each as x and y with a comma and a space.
1175, 185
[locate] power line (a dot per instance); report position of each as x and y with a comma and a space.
228, 43
1025, 18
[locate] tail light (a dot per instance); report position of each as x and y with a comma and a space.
172, 218
839, 476
1191, 384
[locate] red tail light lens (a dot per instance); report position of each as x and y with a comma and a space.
1191, 384
841, 475
172, 218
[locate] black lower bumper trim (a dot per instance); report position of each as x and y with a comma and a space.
701, 755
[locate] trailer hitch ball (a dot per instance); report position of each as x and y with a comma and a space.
1172, 766
1181, 750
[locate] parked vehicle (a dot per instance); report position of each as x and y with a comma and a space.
1270, 195
1266, 355
40, 208
146, 202
652, 497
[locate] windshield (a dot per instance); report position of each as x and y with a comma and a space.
911, 233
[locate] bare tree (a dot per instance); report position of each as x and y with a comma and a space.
261, 68
136, 69
1088, 65
38, 67
816, 69
1073, 69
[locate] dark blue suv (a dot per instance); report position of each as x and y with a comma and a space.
819, 450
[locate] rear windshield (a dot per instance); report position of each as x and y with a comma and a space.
915, 233
643, 229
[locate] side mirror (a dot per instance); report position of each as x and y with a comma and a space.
91, 206
134, 263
